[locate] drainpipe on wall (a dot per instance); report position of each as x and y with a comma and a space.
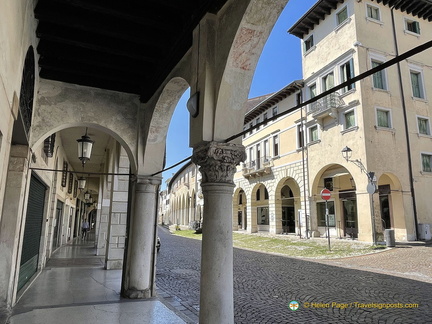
305, 185
411, 177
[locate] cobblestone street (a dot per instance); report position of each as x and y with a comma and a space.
328, 291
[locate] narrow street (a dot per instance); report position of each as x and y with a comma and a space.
264, 286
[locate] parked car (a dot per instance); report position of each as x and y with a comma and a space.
158, 244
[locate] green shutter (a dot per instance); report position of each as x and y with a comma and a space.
32, 231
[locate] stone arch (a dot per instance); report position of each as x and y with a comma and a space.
244, 52
288, 197
99, 127
259, 214
62, 105
349, 207
227, 47
160, 120
389, 207
239, 210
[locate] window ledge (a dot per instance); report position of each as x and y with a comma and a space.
379, 22
424, 135
426, 173
314, 142
381, 90
343, 23
386, 129
309, 50
351, 129
407, 32
347, 93
419, 99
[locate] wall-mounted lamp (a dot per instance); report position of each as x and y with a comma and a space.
346, 153
371, 186
193, 105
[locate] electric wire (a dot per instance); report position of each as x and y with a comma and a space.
361, 76
395, 60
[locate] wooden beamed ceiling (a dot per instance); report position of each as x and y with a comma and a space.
128, 46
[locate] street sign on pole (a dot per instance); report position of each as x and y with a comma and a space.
325, 194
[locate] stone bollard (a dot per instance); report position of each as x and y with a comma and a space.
389, 237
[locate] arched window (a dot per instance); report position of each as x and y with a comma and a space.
27, 89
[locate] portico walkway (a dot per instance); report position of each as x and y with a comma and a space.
74, 288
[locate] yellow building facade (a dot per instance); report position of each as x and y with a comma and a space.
383, 120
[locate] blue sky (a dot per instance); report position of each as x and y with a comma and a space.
279, 65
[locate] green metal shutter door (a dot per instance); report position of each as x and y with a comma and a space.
32, 231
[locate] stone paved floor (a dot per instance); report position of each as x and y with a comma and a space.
413, 261
264, 285
75, 289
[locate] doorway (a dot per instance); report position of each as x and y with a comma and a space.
349, 207
57, 225
384, 199
288, 220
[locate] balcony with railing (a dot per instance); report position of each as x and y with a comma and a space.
257, 167
326, 106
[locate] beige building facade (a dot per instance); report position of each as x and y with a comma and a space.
185, 198
121, 85
384, 120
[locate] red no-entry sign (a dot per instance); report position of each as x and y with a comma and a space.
325, 194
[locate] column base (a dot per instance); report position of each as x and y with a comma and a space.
137, 294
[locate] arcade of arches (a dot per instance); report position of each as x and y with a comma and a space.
276, 204
43, 117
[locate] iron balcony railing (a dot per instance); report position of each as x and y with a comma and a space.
328, 102
261, 165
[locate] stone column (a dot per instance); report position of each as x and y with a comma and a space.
118, 215
102, 231
139, 278
16, 192
217, 163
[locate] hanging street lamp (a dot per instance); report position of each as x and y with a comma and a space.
81, 183
85, 145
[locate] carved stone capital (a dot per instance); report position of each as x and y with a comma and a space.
147, 183
218, 161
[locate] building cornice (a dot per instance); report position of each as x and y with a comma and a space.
273, 100
418, 8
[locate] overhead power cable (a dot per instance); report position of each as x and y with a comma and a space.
361, 76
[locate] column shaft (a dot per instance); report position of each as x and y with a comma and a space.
217, 163
139, 279
216, 292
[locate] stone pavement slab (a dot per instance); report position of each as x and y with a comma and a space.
131, 312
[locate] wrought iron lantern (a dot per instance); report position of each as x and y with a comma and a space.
85, 146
